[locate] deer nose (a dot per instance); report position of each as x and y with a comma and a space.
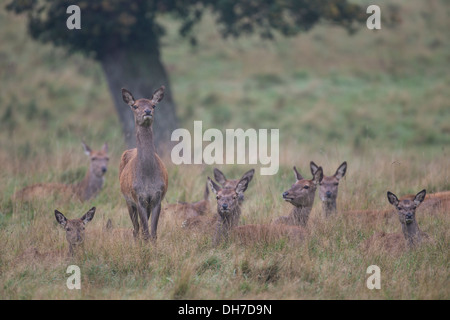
328, 194
147, 112
285, 193
104, 169
409, 216
225, 206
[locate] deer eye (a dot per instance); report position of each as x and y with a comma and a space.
94, 158
306, 187
336, 183
217, 197
134, 106
68, 229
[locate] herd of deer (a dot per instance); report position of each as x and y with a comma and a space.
144, 182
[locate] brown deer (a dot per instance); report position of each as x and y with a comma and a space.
228, 208
228, 214
185, 210
411, 235
301, 195
142, 175
74, 228
328, 188
86, 189
204, 222
232, 183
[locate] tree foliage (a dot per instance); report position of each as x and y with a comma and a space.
111, 24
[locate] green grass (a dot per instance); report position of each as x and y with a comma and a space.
379, 100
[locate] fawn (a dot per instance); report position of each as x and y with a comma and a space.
86, 189
328, 188
228, 208
74, 228
185, 210
232, 183
301, 195
228, 214
412, 235
142, 175
205, 222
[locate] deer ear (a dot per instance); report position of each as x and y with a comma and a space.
340, 172
392, 198
420, 197
318, 176
62, 220
214, 187
158, 95
88, 216
86, 148
219, 176
242, 185
297, 174
109, 224
314, 167
206, 193
127, 97
249, 175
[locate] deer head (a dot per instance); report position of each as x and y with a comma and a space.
99, 159
228, 198
302, 192
328, 189
406, 208
143, 109
232, 183
74, 227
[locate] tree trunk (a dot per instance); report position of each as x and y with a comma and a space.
141, 73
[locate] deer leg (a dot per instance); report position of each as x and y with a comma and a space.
134, 219
143, 207
155, 217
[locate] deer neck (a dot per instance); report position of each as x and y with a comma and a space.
147, 163
329, 208
412, 233
300, 214
225, 224
89, 186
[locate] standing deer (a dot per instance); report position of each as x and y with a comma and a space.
232, 183
86, 189
301, 195
74, 228
142, 175
412, 235
328, 188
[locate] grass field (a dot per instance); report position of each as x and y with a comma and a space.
379, 100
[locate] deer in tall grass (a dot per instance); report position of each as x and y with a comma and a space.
229, 212
228, 208
75, 228
86, 189
186, 210
301, 195
411, 235
142, 175
328, 188
205, 222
